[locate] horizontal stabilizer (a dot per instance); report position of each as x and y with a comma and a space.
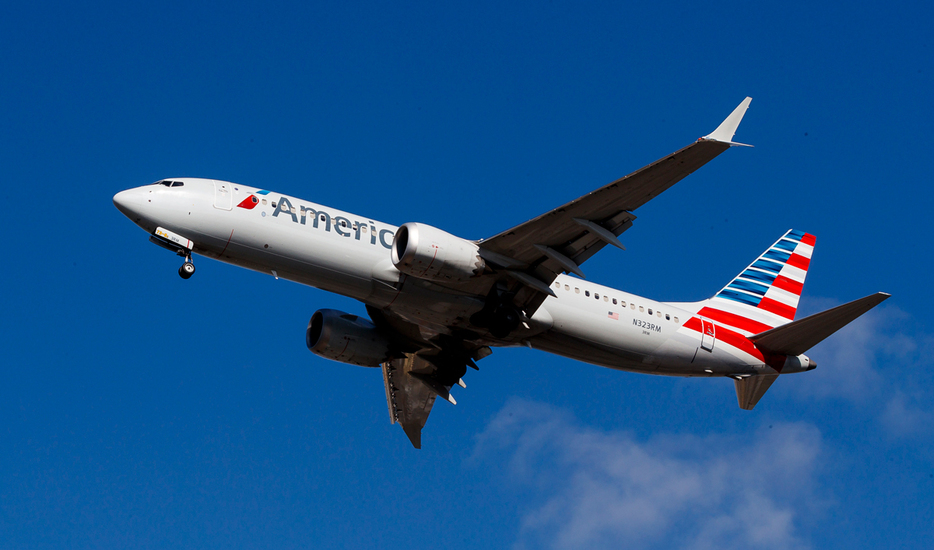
750, 390
799, 336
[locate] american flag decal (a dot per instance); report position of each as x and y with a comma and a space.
613, 315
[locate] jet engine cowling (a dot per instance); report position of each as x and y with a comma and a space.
346, 338
427, 252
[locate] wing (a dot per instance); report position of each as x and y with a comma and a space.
535, 252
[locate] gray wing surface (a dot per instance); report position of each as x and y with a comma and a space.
564, 238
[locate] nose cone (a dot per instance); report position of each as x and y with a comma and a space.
129, 203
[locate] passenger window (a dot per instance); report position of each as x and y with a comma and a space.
557, 285
273, 205
587, 293
632, 306
577, 290
658, 314
606, 298
264, 201
641, 309
667, 317
650, 311
597, 296
567, 287
624, 303
676, 319
614, 302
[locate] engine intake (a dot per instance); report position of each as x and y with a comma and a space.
346, 338
427, 252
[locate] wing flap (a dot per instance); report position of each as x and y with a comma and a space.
409, 399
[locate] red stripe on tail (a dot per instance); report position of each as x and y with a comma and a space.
777, 308
733, 320
799, 261
791, 286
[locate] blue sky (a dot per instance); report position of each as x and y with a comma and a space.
139, 410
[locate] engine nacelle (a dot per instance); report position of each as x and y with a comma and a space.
346, 338
427, 252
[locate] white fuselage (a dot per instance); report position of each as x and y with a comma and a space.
350, 255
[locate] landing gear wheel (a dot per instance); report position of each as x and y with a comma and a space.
187, 270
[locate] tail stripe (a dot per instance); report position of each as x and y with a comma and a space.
760, 276
768, 266
733, 320
785, 244
783, 296
778, 308
799, 261
789, 285
739, 297
777, 255
743, 284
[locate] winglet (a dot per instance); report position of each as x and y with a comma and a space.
727, 129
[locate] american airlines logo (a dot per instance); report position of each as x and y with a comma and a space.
320, 218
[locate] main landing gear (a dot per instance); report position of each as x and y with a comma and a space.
187, 269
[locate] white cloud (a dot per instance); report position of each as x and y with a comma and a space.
902, 417
607, 490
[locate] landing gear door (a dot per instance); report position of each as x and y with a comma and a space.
223, 198
708, 335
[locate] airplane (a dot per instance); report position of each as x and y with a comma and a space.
438, 303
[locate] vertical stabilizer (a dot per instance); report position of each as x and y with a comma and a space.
765, 295
751, 389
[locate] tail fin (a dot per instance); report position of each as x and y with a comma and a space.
751, 389
765, 295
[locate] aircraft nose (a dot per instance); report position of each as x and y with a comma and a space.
128, 202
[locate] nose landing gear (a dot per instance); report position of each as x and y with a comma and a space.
187, 269
178, 244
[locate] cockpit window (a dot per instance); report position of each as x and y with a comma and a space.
177, 184
170, 183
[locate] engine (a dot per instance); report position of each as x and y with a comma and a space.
426, 252
346, 338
